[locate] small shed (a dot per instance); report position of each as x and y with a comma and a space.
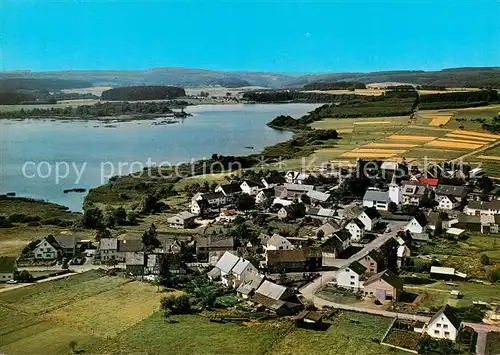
455, 294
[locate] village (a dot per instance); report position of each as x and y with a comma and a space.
365, 255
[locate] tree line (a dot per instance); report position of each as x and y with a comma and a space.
339, 85
133, 93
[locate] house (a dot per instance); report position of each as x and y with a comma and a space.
53, 247
329, 227
337, 243
172, 246
304, 259
294, 191
377, 199
295, 177
231, 270
227, 215
373, 262
357, 229
134, 263
272, 180
264, 195
417, 224
429, 182
251, 187
446, 273
249, 284
320, 213
108, 248
413, 193
181, 220
350, 276
199, 207
444, 324
229, 190
369, 217
458, 192
8, 268
481, 208
318, 197
205, 245
308, 318
282, 202
447, 203
384, 285
490, 224
278, 242
276, 298
403, 253
210, 201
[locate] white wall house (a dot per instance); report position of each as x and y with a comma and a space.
483, 208
444, 324
447, 203
46, 251
357, 230
418, 225
369, 217
250, 187
278, 242
350, 276
376, 198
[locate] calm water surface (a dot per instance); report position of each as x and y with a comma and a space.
221, 129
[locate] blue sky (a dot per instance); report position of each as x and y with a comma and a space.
280, 36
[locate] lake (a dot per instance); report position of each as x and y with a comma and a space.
41, 158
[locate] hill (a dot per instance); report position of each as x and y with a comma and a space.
187, 77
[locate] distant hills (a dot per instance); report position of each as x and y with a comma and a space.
186, 77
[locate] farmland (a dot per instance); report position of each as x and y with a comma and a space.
114, 315
85, 308
437, 135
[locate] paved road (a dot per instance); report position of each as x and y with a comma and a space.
310, 289
13, 287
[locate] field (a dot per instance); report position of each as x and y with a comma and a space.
115, 315
435, 135
86, 308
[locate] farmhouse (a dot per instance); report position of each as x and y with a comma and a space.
304, 259
369, 217
320, 213
206, 245
385, 285
231, 270
481, 208
373, 262
108, 249
490, 224
276, 298
317, 197
350, 276
53, 247
272, 180
181, 220
8, 268
295, 177
444, 324
338, 242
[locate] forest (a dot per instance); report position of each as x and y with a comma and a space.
457, 99
99, 110
275, 96
339, 85
135, 93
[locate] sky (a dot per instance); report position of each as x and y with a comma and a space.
275, 36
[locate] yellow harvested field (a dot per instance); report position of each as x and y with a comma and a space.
366, 155
412, 138
390, 145
440, 120
488, 157
374, 150
462, 141
470, 137
345, 130
444, 144
373, 122
437, 149
477, 134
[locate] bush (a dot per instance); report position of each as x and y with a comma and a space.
176, 304
17, 217
5, 223
485, 260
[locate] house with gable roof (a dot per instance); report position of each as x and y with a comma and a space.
369, 217
417, 224
278, 242
350, 276
444, 324
384, 285
231, 270
53, 247
357, 229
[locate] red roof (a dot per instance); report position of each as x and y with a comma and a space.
429, 181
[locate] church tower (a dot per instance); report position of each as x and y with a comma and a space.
395, 191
